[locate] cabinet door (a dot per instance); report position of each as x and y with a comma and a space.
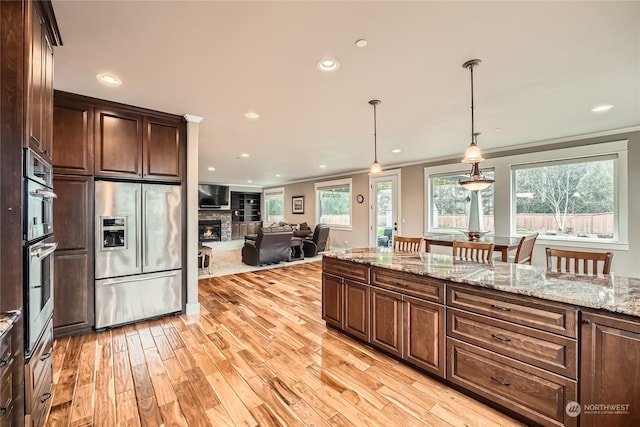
72, 137
386, 320
35, 76
332, 300
424, 344
244, 229
118, 144
47, 98
235, 231
163, 149
356, 309
609, 366
73, 260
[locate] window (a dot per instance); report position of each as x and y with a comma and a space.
567, 199
449, 202
333, 203
274, 205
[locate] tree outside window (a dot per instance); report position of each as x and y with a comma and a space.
569, 199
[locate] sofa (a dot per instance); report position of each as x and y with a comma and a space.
271, 245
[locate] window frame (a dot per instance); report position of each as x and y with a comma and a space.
270, 192
326, 185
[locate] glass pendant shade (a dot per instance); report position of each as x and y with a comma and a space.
375, 169
473, 154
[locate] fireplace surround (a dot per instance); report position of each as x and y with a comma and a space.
209, 230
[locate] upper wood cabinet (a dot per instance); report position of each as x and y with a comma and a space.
102, 138
39, 41
72, 137
162, 148
118, 138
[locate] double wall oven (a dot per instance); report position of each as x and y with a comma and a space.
38, 247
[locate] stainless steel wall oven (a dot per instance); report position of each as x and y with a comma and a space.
39, 245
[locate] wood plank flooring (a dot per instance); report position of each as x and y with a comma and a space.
258, 354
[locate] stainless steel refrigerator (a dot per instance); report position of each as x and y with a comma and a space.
138, 250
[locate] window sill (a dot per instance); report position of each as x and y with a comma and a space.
584, 243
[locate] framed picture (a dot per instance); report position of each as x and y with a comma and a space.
297, 204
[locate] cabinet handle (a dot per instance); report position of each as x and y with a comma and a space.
493, 377
45, 397
3, 363
3, 411
499, 307
501, 338
586, 321
404, 285
45, 356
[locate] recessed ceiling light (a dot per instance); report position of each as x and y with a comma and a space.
278, 175
249, 181
396, 150
109, 79
601, 108
361, 42
328, 64
251, 115
211, 168
497, 130
323, 166
244, 155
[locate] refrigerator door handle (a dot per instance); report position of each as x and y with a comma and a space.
146, 228
137, 218
132, 279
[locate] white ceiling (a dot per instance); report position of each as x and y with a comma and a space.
544, 66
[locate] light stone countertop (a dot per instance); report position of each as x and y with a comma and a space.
6, 320
611, 293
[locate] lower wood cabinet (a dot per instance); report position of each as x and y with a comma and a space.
39, 380
534, 393
609, 374
386, 320
424, 335
356, 309
332, 300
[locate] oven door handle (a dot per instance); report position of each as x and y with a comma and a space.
45, 194
44, 250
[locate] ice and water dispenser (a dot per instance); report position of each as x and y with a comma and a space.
113, 232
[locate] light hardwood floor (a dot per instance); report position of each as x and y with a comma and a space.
259, 353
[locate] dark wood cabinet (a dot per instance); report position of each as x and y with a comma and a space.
118, 143
163, 148
356, 309
424, 339
72, 136
386, 320
332, 300
245, 214
73, 259
39, 79
610, 351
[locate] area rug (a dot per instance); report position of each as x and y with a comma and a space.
227, 259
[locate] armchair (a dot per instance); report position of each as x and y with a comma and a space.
267, 248
317, 242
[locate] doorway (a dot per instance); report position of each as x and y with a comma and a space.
385, 208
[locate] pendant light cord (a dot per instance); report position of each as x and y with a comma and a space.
473, 133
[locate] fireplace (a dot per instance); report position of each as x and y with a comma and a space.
209, 230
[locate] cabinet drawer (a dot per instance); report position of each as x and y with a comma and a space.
542, 349
410, 284
39, 376
527, 311
536, 394
346, 269
6, 396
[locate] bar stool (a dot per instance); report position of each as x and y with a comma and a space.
204, 253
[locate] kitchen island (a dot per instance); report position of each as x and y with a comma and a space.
550, 348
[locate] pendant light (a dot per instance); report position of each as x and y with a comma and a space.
376, 168
473, 155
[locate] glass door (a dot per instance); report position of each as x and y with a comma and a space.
385, 195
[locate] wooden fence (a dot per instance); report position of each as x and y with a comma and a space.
577, 223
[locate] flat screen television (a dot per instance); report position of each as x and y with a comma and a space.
213, 196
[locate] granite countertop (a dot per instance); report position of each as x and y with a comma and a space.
6, 320
611, 293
